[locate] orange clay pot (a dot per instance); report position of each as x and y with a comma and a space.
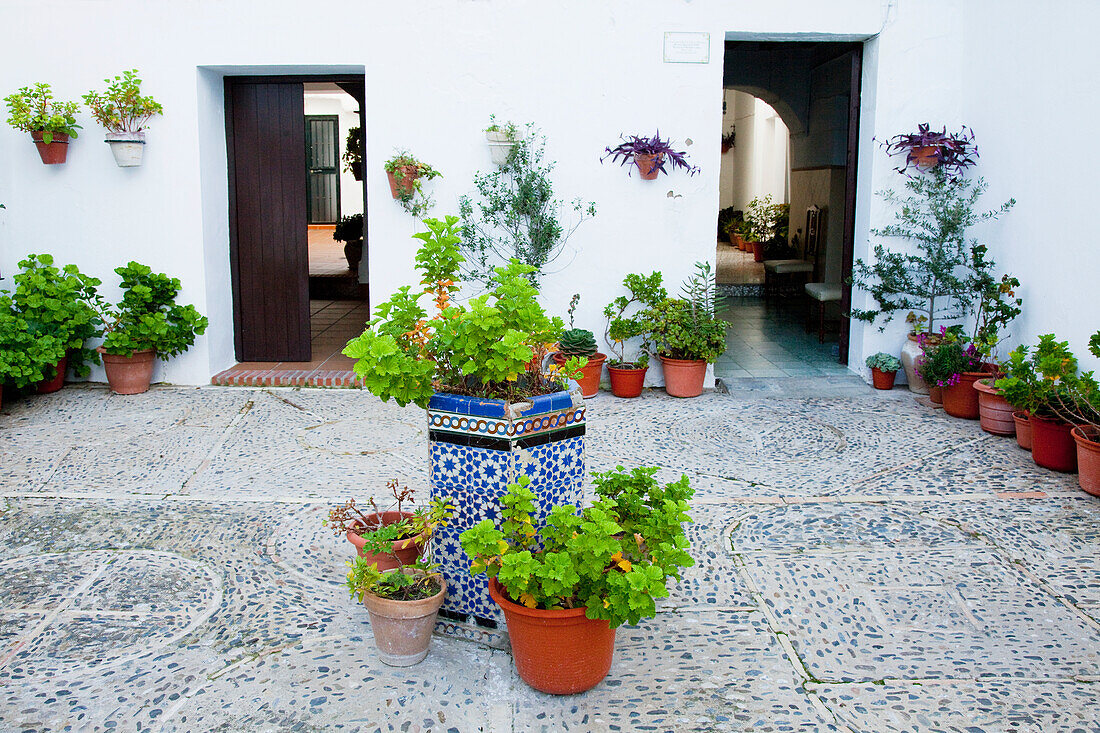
647, 165
881, 379
561, 652
994, 410
51, 153
405, 552
1088, 458
961, 400
1023, 429
935, 394
406, 185
128, 374
48, 386
590, 373
626, 382
1051, 444
684, 377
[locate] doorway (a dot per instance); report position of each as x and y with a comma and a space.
291, 195
790, 128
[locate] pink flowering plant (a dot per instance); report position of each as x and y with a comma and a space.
947, 355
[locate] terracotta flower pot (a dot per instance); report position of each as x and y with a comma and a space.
590, 373
561, 652
994, 410
626, 382
935, 393
405, 552
47, 386
128, 374
926, 158
403, 629
406, 185
758, 251
1052, 445
684, 377
1023, 429
881, 379
961, 399
54, 152
1088, 458
647, 165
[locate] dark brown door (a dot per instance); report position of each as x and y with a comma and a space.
265, 124
854, 90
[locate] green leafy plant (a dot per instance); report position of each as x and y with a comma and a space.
1041, 381
349, 228
410, 174
1078, 402
934, 278
947, 356
59, 303
508, 129
576, 341
148, 317
613, 558
354, 146
766, 220
689, 328
490, 347
121, 107
729, 219
998, 304
33, 109
515, 215
25, 358
883, 362
646, 293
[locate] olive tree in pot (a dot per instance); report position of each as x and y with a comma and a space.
650, 155
628, 377
403, 600
566, 587
687, 333
124, 112
579, 343
51, 123
146, 323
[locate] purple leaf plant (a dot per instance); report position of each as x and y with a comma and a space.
633, 145
927, 149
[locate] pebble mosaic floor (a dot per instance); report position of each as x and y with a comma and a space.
865, 565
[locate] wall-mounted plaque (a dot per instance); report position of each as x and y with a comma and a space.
687, 48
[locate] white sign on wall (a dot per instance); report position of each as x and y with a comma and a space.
687, 48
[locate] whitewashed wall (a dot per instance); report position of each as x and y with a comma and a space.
345, 107
584, 73
758, 165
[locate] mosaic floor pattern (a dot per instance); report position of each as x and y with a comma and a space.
865, 565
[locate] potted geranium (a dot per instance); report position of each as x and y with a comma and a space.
354, 145
145, 324
1079, 404
628, 377
25, 358
688, 334
476, 368
884, 368
349, 230
407, 175
565, 587
579, 343
649, 154
123, 110
50, 122
402, 598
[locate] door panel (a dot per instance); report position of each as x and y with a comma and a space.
267, 218
323, 168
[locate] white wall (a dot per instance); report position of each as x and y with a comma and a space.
472, 59
758, 164
345, 107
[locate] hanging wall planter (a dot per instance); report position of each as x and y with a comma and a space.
406, 175
502, 138
124, 112
127, 147
53, 152
51, 123
649, 154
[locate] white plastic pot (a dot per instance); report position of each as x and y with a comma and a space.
127, 147
500, 147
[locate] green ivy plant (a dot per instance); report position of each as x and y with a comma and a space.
490, 347
646, 292
689, 328
121, 106
612, 558
59, 303
148, 316
33, 109
410, 174
25, 358
514, 213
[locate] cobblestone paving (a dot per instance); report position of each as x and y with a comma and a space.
865, 565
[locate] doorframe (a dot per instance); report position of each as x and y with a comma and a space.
309, 137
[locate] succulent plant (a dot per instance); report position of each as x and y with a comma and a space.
577, 342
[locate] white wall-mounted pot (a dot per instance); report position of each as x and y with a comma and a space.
500, 147
127, 147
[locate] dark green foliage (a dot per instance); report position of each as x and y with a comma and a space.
349, 228
883, 362
689, 328
577, 342
25, 359
514, 214
645, 292
148, 317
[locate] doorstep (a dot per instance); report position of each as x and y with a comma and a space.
236, 377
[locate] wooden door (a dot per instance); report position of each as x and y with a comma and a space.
323, 168
265, 127
855, 60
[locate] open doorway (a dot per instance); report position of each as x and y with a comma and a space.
790, 127
297, 222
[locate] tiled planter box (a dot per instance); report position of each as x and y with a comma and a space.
478, 447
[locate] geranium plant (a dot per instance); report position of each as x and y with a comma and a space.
646, 292
926, 149
148, 316
409, 175
662, 151
1039, 380
34, 109
612, 558
490, 347
121, 106
688, 328
26, 358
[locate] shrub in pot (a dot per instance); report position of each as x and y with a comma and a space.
57, 302
349, 230
50, 122
406, 175
687, 333
649, 154
884, 368
354, 147
954, 364
1078, 403
628, 377
123, 110
25, 358
145, 324
566, 586
404, 600
728, 219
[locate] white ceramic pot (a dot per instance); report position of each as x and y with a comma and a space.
500, 147
127, 147
909, 353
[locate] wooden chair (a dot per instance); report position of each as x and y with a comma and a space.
821, 293
774, 270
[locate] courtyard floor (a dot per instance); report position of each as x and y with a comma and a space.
865, 564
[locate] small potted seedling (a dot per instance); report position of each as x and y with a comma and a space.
124, 112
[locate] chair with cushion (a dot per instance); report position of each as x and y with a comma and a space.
822, 293
776, 270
